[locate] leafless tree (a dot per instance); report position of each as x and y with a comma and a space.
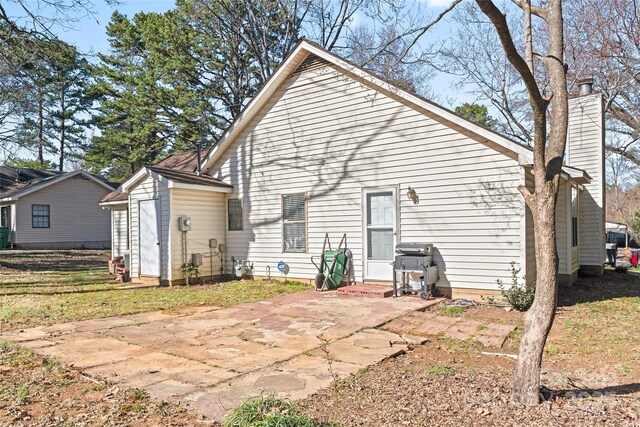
371, 48
474, 56
550, 113
603, 42
42, 16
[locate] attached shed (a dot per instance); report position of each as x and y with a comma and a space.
157, 199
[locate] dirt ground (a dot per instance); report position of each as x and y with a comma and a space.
434, 385
43, 393
591, 369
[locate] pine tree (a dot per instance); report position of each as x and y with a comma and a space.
180, 78
126, 89
67, 100
28, 61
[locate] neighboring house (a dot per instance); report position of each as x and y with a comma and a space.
53, 210
326, 147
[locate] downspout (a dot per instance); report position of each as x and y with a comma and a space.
199, 166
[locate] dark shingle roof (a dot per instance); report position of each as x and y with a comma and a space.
14, 180
115, 196
187, 161
189, 177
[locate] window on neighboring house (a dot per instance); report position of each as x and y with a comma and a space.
4, 217
40, 216
234, 214
294, 223
574, 216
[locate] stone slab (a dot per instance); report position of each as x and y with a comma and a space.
294, 379
428, 323
363, 348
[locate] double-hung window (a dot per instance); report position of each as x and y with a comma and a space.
40, 216
294, 222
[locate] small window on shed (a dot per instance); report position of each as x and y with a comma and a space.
40, 216
234, 211
294, 223
5, 217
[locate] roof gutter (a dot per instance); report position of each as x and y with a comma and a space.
113, 203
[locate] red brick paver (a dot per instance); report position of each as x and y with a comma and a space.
430, 323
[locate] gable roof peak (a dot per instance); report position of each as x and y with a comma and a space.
296, 58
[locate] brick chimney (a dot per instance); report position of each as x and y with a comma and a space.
585, 150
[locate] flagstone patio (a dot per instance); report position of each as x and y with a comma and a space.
213, 359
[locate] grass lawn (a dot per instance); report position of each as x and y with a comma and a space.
45, 288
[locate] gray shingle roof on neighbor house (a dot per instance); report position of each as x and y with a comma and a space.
15, 181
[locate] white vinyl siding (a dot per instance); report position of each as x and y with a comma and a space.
74, 214
563, 227
14, 219
119, 230
330, 136
575, 250
567, 255
586, 151
150, 189
207, 212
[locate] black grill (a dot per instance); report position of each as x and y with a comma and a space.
414, 257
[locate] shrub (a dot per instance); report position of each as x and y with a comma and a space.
519, 295
190, 270
269, 412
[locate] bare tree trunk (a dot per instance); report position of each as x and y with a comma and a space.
62, 132
539, 319
528, 37
40, 131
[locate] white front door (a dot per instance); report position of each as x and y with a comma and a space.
149, 238
380, 232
